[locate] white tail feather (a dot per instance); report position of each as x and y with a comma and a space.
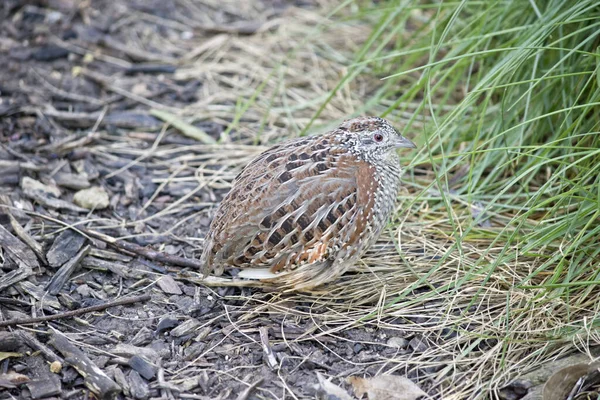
257, 273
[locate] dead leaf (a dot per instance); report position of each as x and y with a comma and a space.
386, 387
332, 390
4, 354
562, 381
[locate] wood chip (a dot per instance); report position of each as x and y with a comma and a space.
168, 285
65, 246
22, 254
29, 184
72, 181
47, 301
94, 379
143, 367
137, 386
46, 383
9, 174
9, 342
18, 250
126, 350
186, 328
25, 237
64, 273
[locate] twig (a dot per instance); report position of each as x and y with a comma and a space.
142, 251
246, 393
126, 246
188, 130
267, 350
68, 314
64, 94
107, 83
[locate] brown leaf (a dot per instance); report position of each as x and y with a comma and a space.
562, 382
385, 387
332, 390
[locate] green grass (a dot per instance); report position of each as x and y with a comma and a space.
511, 90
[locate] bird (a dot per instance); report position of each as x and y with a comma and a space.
304, 211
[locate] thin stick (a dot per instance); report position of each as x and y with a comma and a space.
125, 246
143, 251
85, 310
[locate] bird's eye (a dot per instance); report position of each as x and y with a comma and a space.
378, 137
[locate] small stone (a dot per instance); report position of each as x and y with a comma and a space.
94, 198
84, 290
56, 367
399, 342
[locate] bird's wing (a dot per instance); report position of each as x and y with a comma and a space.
296, 203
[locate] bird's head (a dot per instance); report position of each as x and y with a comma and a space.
373, 138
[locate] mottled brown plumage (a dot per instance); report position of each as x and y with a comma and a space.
303, 211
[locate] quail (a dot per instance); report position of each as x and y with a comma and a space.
302, 212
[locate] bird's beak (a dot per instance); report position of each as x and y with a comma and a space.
402, 142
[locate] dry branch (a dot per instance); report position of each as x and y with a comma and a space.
81, 311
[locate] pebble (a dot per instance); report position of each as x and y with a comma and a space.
94, 198
399, 342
